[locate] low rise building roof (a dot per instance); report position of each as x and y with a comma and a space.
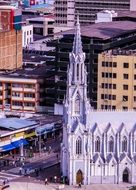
105, 30
33, 72
15, 123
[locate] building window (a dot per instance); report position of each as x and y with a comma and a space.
16, 94
125, 98
103, 63
29, 104
16, 103
134, 98
125, 76
29, 95
114, 75
77, 105
113, 107
111, 144
17, 85
114, 64
97, 144
114, 86
134, 77
79, 146
134, 87
124, 144
125, 87
29, 86
125, 108
126, 65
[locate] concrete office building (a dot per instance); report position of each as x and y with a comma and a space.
27, 35
66, 11
42, 25
24, 90
117, 80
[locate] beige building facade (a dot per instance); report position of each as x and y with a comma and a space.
117, 80
10, 50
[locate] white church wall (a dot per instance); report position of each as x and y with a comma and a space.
96, 179
108, 179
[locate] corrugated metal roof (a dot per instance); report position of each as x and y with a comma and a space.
15, 123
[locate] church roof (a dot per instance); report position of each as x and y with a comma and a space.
117, 119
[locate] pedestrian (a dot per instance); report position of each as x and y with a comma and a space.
79, 185
37, 172
20, 170
49, 149
55, 179
13, 163
44, 149
46, 181
57, 156
51, 179
4, 182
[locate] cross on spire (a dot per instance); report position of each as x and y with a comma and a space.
77, 44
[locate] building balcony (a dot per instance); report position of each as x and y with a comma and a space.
29, 99
29, 108
17, 89
17, 98
17, 107
29, 89
50, 90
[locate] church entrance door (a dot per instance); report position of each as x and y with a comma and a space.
125, 176
79, 177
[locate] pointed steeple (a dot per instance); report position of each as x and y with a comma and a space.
77, 44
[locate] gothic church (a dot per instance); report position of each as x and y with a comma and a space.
98, 146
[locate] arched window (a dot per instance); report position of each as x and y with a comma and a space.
77, 71
77, 105
124, 144
97, 144
111, 144
135, 145
79, 145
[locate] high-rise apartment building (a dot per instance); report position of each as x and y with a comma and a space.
117, 80
66, 10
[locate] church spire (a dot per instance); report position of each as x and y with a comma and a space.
77, 69
77, 44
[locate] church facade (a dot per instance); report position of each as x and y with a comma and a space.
98, 146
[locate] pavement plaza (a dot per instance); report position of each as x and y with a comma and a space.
52, 186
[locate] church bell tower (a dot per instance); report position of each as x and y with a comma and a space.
76, 115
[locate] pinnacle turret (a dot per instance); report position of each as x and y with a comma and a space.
77, 44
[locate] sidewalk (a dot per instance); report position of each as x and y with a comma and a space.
39, 186
41, 161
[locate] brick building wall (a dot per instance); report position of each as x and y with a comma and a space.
10, 50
